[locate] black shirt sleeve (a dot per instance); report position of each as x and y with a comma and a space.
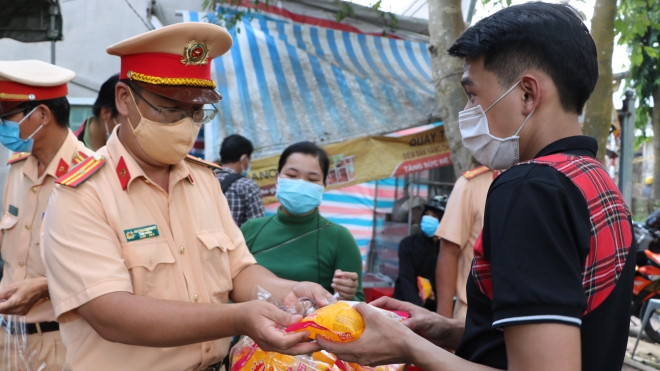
537, 240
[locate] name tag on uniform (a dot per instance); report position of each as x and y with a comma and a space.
141, 233
13, 210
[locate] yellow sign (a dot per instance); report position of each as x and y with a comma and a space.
368, 158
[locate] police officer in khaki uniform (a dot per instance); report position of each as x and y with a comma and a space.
35, 122
141, 250
458, 231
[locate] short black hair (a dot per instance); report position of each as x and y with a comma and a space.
59, 107
233, 147
307, 148
106, 97
549, 37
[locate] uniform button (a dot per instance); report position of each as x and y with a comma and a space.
21, 264
27, 226
182, 250
147, 181
34, 189
208, 348
196, 297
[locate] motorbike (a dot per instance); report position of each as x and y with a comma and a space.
646, 284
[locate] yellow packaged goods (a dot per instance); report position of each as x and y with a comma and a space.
338, 322
425, 289
247, 356
335, 322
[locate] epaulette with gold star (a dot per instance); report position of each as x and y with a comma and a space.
78, 157
82, 171
199, 161
18, 157
475, 172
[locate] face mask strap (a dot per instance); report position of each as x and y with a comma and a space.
105, 122
523, 124
28, 115
503, 95
36, 131
136, 107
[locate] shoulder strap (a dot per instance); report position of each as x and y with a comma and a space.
228, 181
475, 172
82, 171
199, 161
18, 157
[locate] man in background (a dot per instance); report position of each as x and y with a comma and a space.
458, 232
418, 255
242, 192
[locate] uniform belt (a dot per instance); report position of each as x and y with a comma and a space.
31, 328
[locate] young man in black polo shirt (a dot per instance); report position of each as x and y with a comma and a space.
551, 281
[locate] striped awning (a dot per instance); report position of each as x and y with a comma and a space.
285, 82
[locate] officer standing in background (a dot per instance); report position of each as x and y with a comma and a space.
458, 232
141, 250
33, 106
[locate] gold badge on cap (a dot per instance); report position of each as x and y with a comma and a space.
195, 54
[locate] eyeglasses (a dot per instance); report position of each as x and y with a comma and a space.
172, 115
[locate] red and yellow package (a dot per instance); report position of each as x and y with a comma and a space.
425, 289
357, 367
335, 322
339, 322
247, 356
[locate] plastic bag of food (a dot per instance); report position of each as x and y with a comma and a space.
425, 289
338, 322
15, 354
247, 356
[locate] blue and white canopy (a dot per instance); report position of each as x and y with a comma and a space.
285, 82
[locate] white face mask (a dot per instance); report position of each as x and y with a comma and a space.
495, 153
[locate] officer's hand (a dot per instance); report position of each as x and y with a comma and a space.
21, 296
345, 284
309, 290
384, 341
442, 331
265, 323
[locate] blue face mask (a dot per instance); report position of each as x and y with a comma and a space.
298, 196
10, 135
429, 225
246, 171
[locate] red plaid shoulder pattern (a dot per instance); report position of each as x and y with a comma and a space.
611, 235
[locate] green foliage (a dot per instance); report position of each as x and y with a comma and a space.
232, 19
387, 18
638, 27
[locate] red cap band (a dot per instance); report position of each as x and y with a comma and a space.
14, 91
162, 65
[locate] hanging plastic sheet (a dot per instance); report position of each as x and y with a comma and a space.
16, 354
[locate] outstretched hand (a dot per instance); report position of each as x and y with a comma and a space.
384, 341
441, 331
265, 323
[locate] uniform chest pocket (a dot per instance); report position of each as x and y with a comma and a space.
216, 248
8, 221
151, 267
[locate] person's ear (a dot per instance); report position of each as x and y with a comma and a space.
43, 114
106, 114
531, 93
122, 98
